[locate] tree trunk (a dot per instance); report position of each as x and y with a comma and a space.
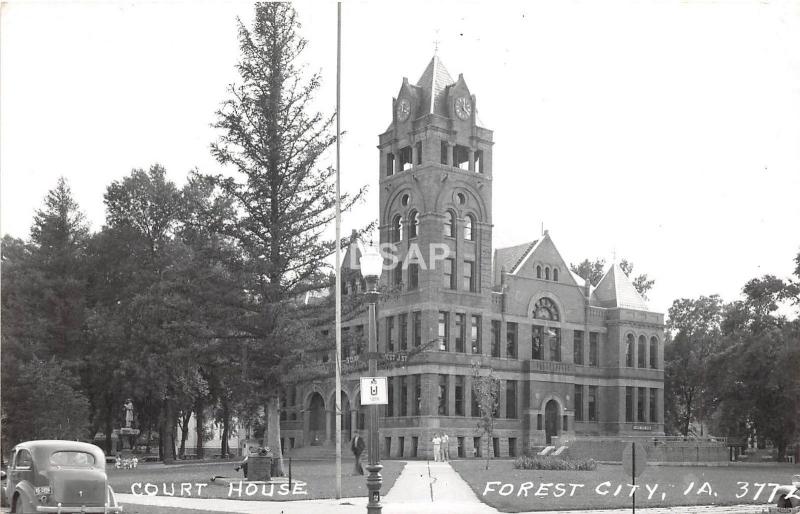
184, 433
199, 426
167, 428
272, 435
226, 416
109, 429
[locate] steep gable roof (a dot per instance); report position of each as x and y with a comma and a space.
616, 290
507, 259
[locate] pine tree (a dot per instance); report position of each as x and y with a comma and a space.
285, 200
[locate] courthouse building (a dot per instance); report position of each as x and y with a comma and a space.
574, 360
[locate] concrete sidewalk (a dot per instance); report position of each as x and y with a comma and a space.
422, 487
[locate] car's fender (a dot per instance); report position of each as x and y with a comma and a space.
25, 491
111, 498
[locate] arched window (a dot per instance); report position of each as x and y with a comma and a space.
640, 360
654, 352
545, 308
547, 273
449, 224
469, 228
538, 272
413, 225
629, 351
555, 274
397, 229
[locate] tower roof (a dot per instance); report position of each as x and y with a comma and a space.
616, 290
433, 84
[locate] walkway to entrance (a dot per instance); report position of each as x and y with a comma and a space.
432, 487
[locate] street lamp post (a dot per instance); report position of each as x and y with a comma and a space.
371, 266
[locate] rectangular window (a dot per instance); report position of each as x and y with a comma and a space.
495, 338
593, 344
390, 397
511, 340
460, 395
511, 399
512, 446
653, 353
629, 404
578, 402
592, 403
448, 279
389, 164
476, 447
404, 396
417, 406
555, 344
475, 408
461, 157
405, 158
479, 161
390, 334
413, 276
444, 331
538, 422
460, 329
460, 447
443, 157
402, 321
577, 346
640, 404
475, 334
641, 357
469, 277
442, 410
416, 317
397, 274
653, 417
419, 152
537, 334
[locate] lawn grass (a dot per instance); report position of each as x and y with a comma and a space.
671, 480
319, 478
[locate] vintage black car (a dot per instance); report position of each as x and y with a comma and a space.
58, 476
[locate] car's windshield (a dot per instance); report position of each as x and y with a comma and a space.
72, 459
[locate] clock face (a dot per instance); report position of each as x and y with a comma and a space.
403, 109
463, 107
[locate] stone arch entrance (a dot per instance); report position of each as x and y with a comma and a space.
551, 424
316, 419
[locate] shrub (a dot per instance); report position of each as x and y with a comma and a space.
555, 463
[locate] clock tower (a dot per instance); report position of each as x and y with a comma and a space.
435, 165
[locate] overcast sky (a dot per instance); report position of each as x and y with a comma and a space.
667, 133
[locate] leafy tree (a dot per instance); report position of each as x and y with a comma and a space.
486, 390
594, 271
272, 138
45, 402
695, 336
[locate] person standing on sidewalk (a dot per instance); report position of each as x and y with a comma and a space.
437, 447
357, 445
445, 447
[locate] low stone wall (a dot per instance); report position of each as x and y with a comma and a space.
691, 451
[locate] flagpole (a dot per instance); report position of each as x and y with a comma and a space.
338, 393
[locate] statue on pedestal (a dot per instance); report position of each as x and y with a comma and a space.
128, 413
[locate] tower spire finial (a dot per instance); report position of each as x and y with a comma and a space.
436, 44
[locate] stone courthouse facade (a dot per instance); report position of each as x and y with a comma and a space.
573, 360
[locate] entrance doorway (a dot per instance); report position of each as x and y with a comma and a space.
551, 420
316, 422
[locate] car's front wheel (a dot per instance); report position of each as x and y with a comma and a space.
20, 506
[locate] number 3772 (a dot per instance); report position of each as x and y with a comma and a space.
758, 488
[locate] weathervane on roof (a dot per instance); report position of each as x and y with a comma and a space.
436, 44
